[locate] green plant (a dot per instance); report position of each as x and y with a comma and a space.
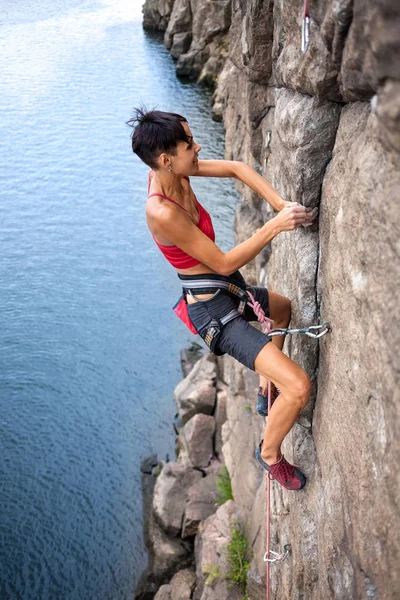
239, 557
212, 573
224, 487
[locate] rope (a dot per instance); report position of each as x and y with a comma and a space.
260, 314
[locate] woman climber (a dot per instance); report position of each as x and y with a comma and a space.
213, 288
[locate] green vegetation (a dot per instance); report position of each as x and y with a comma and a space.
239, 556
224, 487
212, 573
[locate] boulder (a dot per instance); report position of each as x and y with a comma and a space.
189, 357
241, 434
148, 463
180, 43
200, 502
211, 558
251, 38
198, 439
170, 495
210, 22
197, 393
164, 593
182, 584
315, 71
167, 556
180, 21
156, 14
372, 50
180, 588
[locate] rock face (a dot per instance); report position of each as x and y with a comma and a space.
344, 159
195, 33
323, 126
211, 559
197, 393
169, 500
200, 503
198, 439
181, 586
157, 13
358, 189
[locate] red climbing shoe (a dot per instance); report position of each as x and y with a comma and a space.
286, 474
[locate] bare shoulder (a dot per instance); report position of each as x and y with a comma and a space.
158, 209
163, 216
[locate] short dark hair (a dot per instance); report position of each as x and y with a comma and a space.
155, 132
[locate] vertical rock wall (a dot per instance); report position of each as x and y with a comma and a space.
331, 116
332, 143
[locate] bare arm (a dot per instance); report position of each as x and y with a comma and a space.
176, 226
245, 174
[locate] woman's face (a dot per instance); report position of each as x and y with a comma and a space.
186, 162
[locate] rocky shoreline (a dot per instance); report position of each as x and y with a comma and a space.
186, 530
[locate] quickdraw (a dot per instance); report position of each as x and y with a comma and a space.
305, 28
277, 557
311, 331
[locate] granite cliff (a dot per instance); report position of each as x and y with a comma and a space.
323, 126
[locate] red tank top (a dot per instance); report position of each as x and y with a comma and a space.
177, 257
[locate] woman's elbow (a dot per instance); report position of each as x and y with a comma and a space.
224, 267
236, 167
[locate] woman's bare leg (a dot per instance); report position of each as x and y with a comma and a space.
280, 313
295, 387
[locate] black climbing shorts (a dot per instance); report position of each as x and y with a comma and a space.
238, 338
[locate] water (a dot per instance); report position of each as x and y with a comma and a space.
89, 350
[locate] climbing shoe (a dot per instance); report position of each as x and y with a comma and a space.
286, 474
262, 401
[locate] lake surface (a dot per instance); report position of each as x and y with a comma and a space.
89, 347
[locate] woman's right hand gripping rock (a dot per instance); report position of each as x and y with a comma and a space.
295, 215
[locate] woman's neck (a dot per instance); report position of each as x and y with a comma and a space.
168, 183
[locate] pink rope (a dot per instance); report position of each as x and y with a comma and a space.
268, 326
260, 314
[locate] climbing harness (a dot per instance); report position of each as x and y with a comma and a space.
209, 285
216, 285
314, 331
305, 28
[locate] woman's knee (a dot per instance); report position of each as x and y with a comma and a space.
300, 390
